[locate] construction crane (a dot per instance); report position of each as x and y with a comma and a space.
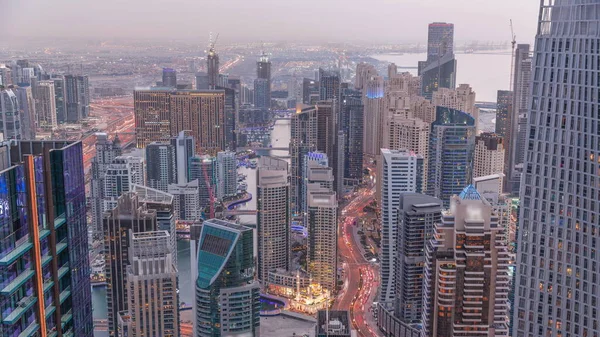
513, 43
211, 43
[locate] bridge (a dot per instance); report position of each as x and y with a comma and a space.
240, 212
258, 148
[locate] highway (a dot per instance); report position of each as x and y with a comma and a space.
361, 277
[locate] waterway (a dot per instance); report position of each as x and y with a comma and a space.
280, 137
485, 72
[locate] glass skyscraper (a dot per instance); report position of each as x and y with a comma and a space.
44, 266
227, 296
557, 274
439, 70
451, 151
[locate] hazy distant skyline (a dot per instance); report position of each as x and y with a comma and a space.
377, 21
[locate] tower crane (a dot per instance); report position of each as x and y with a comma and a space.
513, 43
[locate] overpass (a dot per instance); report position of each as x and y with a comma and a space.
258, 148
240, 212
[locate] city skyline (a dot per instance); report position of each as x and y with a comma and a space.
374, 190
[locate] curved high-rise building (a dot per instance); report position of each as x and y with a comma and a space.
227, 296
451, 151
557, 273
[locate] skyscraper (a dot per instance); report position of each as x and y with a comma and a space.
212, 67
466, 278
161, 169
461, 98
489, 155
201, 81
418, 214
204, 169
120, 222
329, 85
503, 114
162, 113
44, 256
411, 134
169, 78
226, 174
121, 174
77, 97
262, 93
10, 117
151, 284
352, 124
27, 110
59, 91
302, 141
321, 257
227, 296
451, 150
310, 88
439, 70
184, 145
400, 172
521, 107
274, 216
230, 117
186, 200
316, 173
106, 152
262, 87
557, 255
364, 72
374, 102
45, 107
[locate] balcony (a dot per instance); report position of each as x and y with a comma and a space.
30, 331
15, 254
17, 282
65, 294
22, 306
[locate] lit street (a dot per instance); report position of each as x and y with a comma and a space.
361, 278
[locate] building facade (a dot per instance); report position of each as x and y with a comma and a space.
227, 296
321, 257
558, 219
127, 217
439, 70
44, 259
451, 150
10, 117
418, 214
226, 174
489, 155
274, 216
161, 170
106, 152
169, 78
466, 278
162, 113
521, 106
399, 172
302, 141
352, 124
151, 282
77, 97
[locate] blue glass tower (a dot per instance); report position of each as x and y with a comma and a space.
44, 266
227, 296
451, 150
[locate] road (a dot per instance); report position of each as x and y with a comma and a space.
361, 277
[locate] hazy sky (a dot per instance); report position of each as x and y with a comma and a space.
380, 21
